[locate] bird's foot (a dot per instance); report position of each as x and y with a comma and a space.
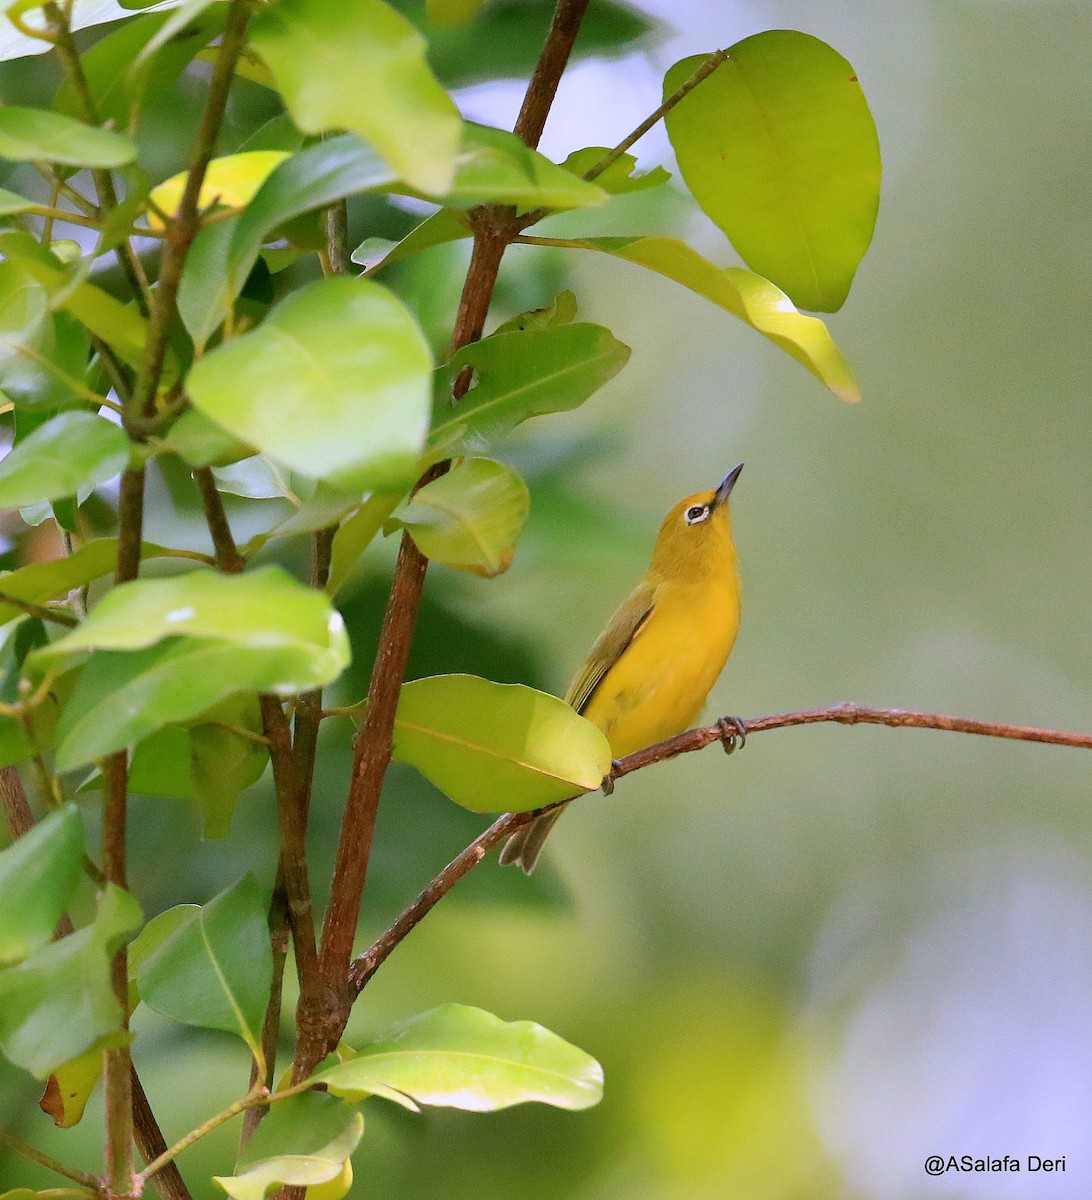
733, 733
607, 786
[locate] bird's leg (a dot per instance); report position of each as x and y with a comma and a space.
733, 733
607, 786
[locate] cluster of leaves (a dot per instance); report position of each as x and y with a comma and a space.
327, 392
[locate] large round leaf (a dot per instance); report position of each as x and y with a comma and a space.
497, 747
779, 149
335, 383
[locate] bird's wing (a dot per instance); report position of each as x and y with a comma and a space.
630, 617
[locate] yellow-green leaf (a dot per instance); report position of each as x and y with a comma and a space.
495, 747
232, 181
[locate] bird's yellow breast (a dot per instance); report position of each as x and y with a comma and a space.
662, 679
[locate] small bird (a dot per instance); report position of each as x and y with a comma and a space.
651, 670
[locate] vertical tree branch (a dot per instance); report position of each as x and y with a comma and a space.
494, 230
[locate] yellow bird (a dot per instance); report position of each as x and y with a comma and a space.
651, 670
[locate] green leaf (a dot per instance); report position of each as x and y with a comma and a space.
496, 167
560, 311
356, 534
521, 375
469, 518
214, 970
72, 451
460, 1057
232, 180
264, 609
334, 383
497, 747
123, 698
447, 225
38, 874
453, 12
222, 256
12, 202
58, 1003
779, 149
199, 441
745, 295
44, 581
305, 1140
35, 135
618, 178
394, 101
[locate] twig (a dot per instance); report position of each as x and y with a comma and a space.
16, 805
43, 612
366, 965
43, 1160
703, 72
228, 558
256, 1096
494, 228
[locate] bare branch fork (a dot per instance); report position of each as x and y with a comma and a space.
723, 731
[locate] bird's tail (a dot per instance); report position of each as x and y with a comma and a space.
523, 848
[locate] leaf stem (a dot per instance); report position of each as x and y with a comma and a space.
43, 1160
43, 612
847, 713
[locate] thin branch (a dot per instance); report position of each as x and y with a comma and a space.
702, 73
228, 558
43, 1160
16, 805
44, 612
847, 713
256, 1096
564, 27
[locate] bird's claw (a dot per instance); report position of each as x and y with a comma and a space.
733, 733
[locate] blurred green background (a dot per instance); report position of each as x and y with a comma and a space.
809, 966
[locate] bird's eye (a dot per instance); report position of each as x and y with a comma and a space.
696, 513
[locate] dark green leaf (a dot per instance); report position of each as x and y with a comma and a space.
37, 876
214, 970
779, 149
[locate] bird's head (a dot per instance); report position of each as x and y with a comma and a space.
696, 534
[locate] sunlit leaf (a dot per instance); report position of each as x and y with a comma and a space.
70, 1086
745, 295
779, 149
469, 518
349, 355
198, 440
214, 969
560, 311
618, 178
35, 135
394, 101
460, 1057
356, 534
521, 375
304, 1141
494, 747
232, 181
264, 609
58, 1003
38, 874
73, 450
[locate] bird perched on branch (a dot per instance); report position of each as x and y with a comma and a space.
650, 671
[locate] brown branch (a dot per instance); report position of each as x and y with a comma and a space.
564, 27
149, 1138
366, 965
228, 558
16, 805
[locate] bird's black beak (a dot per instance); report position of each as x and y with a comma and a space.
724, 488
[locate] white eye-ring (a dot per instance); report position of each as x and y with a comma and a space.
696, 513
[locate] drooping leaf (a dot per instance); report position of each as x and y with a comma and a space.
59, 1002
36, 135
394, 101
745, 295
469, 518
460, 1057
779, 149
349, 355
223, 255
264, 609
521, 375
74, 450
496, 167
69, 1088
447, 225
497, 747
38, 874
39, 582
305, 1140
618, 178
356, 534
232, 181
214, 969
